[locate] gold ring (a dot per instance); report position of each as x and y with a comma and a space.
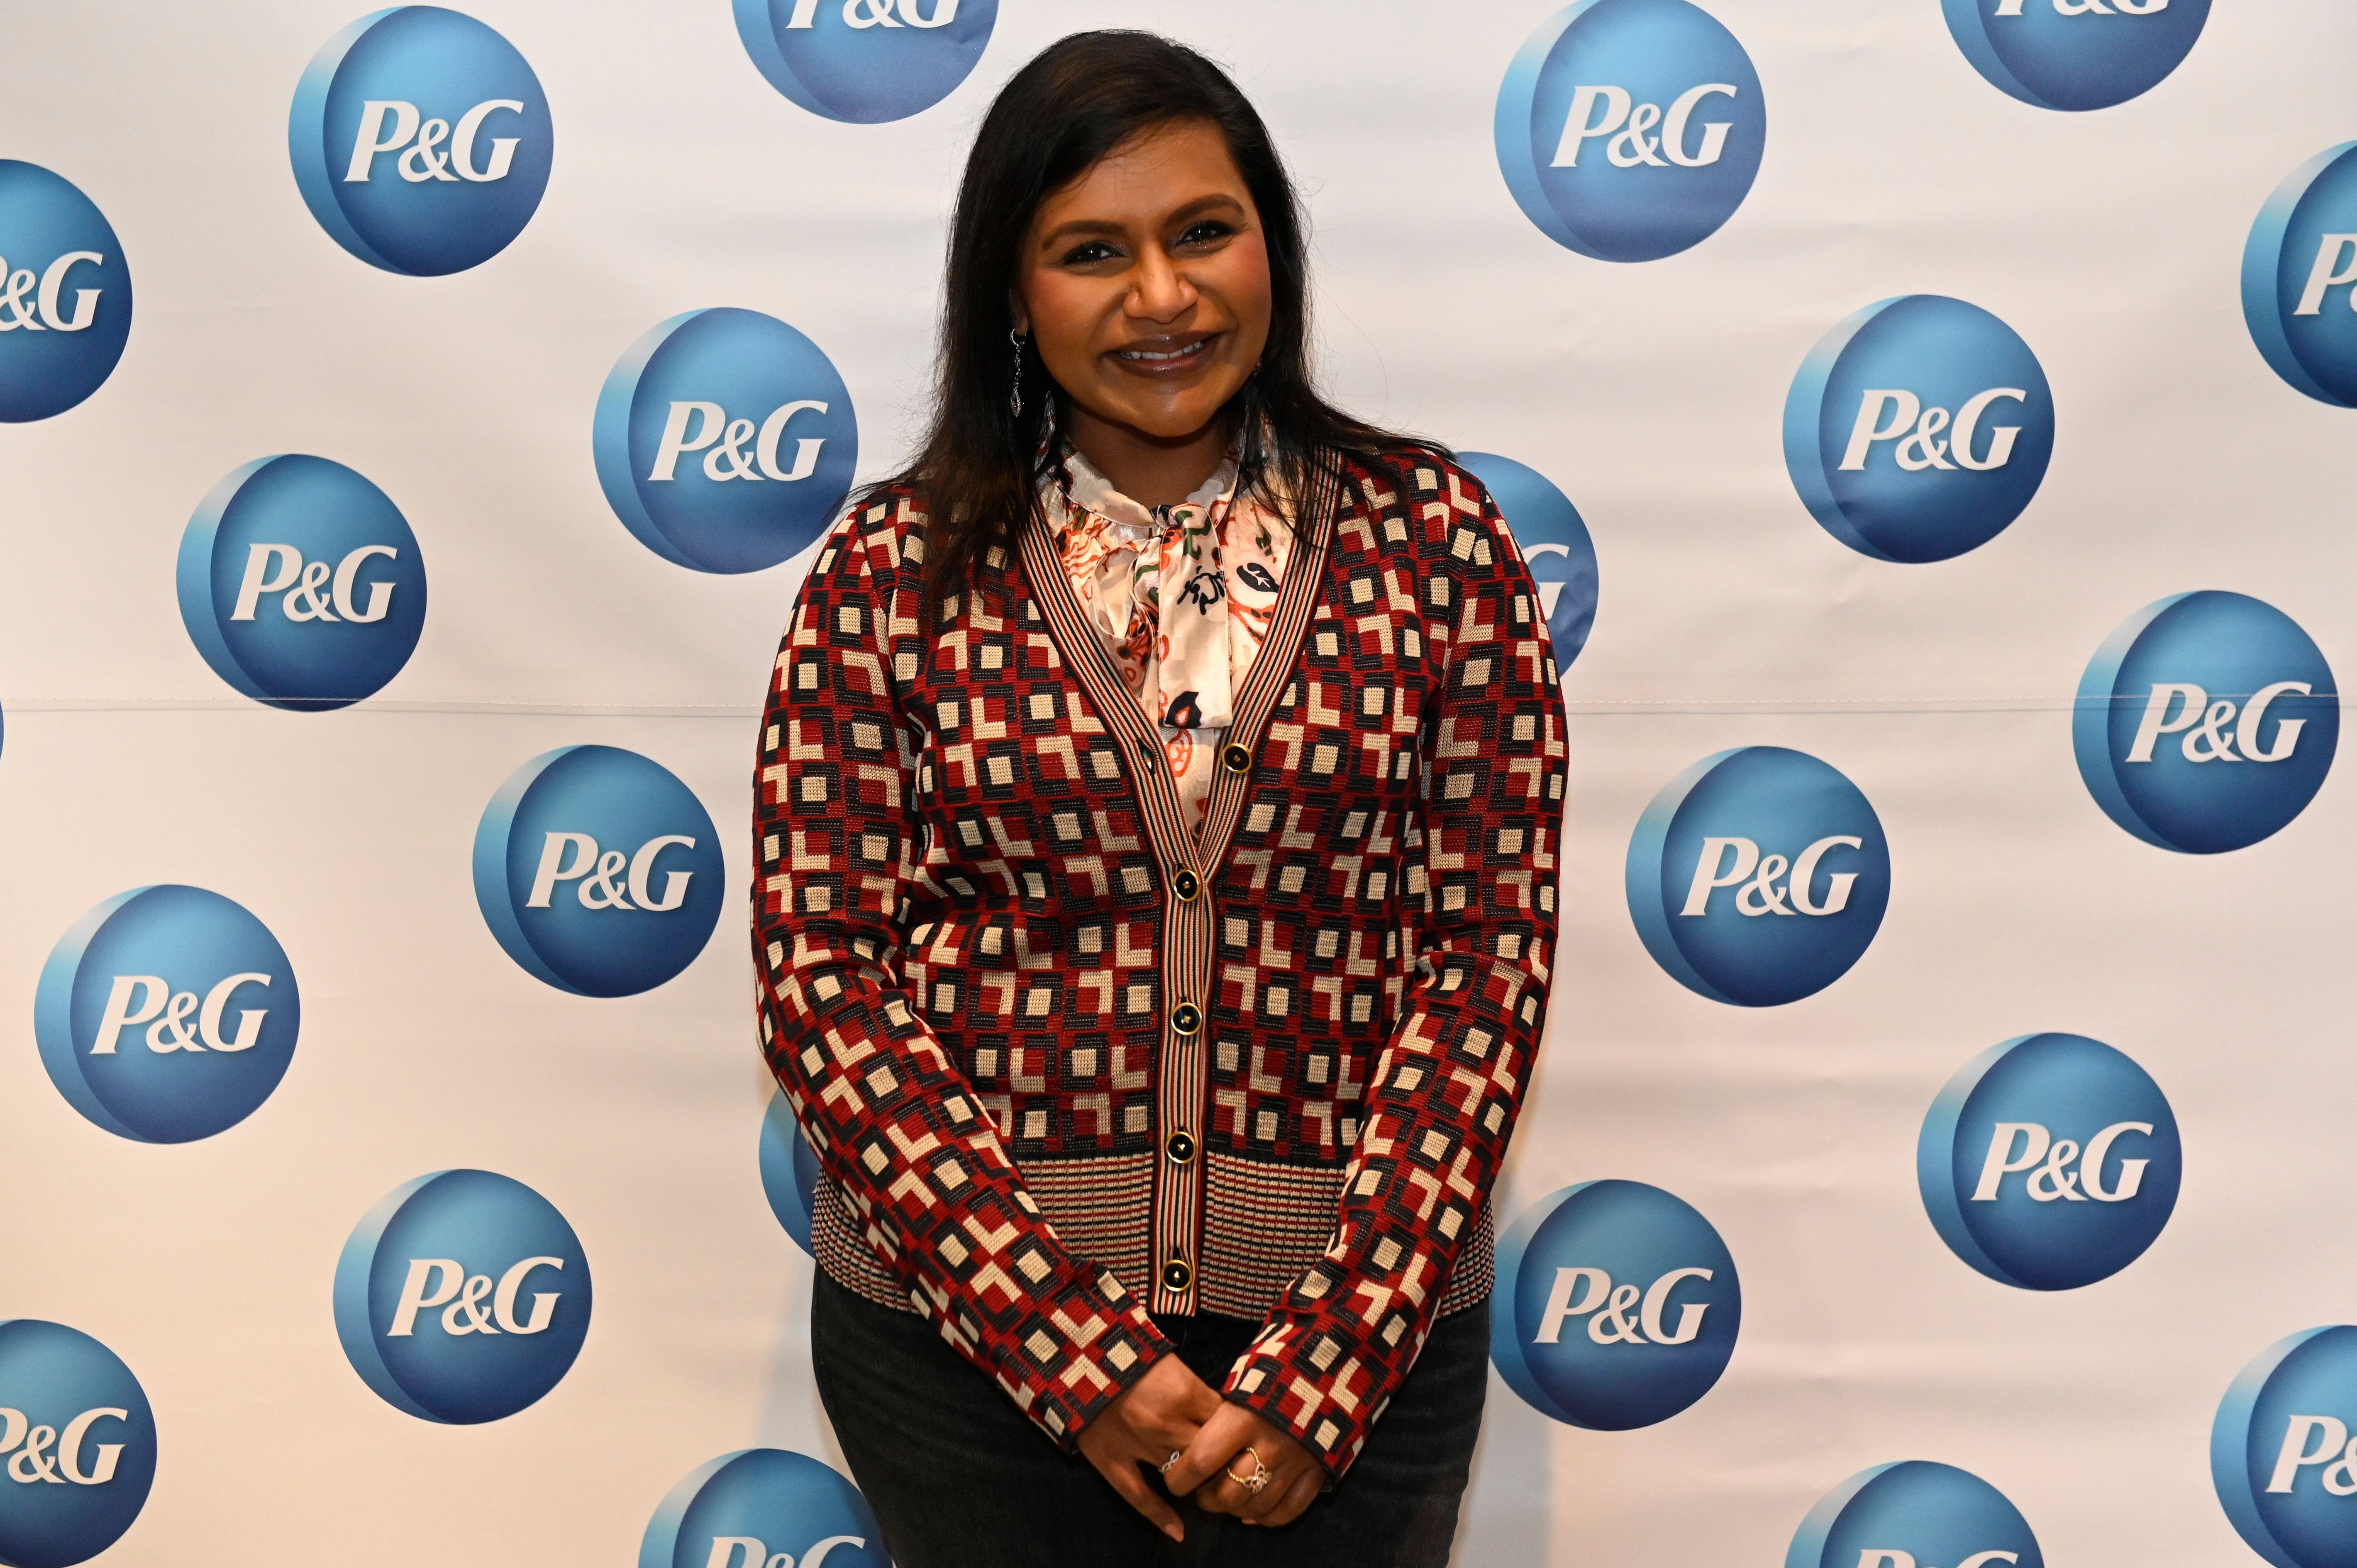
1258, 1479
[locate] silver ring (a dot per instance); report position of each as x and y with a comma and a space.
1170, 1464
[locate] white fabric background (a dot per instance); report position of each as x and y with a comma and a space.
1651, 395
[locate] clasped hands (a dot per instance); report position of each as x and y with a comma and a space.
1172, 1409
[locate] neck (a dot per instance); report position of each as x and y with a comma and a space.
1152, 470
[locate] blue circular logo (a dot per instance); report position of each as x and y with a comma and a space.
1919, 429
599, 871
763, 1507
2300, 277
167, 1014
79, 1443
2282, 1455
2049, 1161
1617, 1306
1914, 1514
65, 294
1554, 545
2075, 54
421, 141
1758, 877
301, 583
725, 440
1631, 130
2206, 722
866, 61
789, 1172
463, 1298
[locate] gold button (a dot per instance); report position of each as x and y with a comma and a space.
1235, 758
1186, 1018
1180, 1148
1175, 1274
1187, 885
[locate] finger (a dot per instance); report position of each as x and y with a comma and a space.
1221, 1438
1297, 1500
1284, 1477
1124, 1477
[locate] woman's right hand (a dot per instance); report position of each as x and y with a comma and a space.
1156, 1417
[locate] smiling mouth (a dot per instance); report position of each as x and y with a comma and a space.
1165, 361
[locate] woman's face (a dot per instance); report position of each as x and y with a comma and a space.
1145, 283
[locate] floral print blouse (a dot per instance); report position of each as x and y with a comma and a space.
1182, 596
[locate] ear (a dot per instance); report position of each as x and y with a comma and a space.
1020, 312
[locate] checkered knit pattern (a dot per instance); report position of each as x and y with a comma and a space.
1064, 1062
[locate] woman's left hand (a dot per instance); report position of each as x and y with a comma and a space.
1215, 1464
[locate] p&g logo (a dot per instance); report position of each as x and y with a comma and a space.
1919, 429
725, 440
2281, 1454
2075, 54
2300, 277
866, 61
763, 1507
599, 871
1758, 877
2206, 722
1619, 1305
301, 585
2049, 1161
77, 1441
1631, 130
65, 294
421, 140
1914, 1514
463, 1298
167, 1014
789, 1172
1555, 544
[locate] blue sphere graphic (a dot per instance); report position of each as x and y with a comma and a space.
421, 140
1758, 877
1617, 1306
789, 1172
2049, 1161
301, 583
763, 1507
1631, 130
2073, 55
2300, 277
2206, 723
79, 1440
1555, 544
65, 294
1914, 1514
599, 871
463, 1298
2281, 1452
1919, 429
725, 440
167, 1014
866, 61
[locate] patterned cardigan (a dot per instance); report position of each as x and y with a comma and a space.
1062, 1064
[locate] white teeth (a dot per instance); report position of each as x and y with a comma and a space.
1173, 354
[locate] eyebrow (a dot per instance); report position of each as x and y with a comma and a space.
1195, 209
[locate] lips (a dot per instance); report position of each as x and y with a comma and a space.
1168, 357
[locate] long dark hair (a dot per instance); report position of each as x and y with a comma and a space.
1077, 100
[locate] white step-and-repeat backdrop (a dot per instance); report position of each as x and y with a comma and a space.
1930, 423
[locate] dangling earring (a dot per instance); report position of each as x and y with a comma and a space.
1015, 398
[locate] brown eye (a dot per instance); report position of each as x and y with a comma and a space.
1205, 232
1088, 255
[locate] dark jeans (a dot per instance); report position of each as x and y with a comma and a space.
960, 1479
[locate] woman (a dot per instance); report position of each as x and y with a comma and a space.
1155, 885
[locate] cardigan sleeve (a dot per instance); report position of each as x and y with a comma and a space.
892, 1120
1482, 854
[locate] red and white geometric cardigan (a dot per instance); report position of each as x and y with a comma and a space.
1062, 1063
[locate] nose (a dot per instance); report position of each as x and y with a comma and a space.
1158, 291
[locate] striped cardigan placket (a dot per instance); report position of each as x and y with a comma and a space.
1189, 918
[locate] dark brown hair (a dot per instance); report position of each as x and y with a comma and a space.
1077, 100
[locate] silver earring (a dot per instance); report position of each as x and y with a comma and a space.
1014, 399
